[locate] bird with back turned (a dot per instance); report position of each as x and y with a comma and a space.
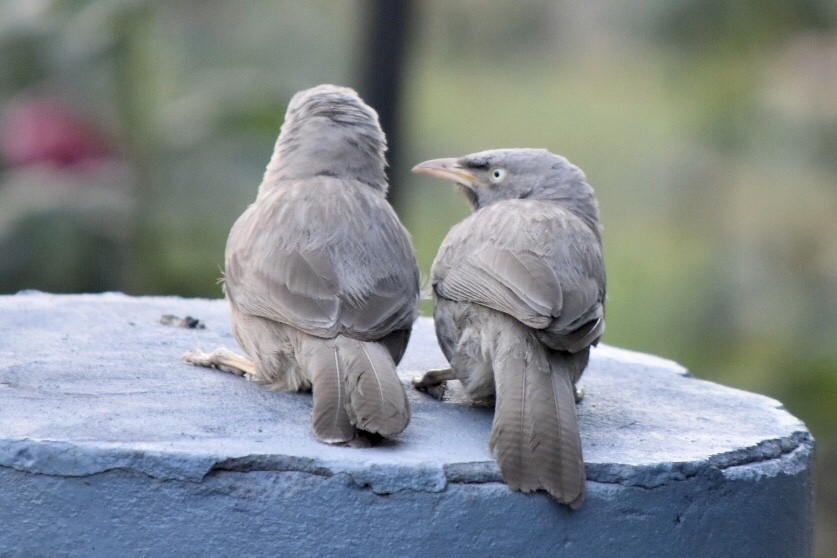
321, 276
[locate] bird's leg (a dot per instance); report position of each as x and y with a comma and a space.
223, 359
578, 392
433, 382
365, 439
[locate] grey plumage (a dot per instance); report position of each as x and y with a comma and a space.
320, 274
519, 288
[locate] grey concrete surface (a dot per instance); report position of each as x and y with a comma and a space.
111, 446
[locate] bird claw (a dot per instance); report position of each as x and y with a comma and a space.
222, 359
434, 382
197, 358
365, 439
436, 391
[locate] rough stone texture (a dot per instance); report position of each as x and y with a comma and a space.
111, 446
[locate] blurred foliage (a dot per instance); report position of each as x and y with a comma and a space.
692, 24
708, 128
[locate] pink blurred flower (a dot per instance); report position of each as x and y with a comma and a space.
45, 130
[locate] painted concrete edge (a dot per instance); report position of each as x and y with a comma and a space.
791, 455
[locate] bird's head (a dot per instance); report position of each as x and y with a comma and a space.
329, 130
491, 176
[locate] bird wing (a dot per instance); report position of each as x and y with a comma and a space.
324, 255
530, 259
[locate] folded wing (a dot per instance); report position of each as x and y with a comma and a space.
532, 260
327, 256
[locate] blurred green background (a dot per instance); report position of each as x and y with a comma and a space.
134, 132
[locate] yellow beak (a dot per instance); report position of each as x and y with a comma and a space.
447, 169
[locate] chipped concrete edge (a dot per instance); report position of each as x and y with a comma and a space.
790, 455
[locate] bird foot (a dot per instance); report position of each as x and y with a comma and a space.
434, 382
222, 359
364, 439
578, 392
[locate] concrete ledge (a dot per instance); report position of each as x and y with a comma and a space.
109, 445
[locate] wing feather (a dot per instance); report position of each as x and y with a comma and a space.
325, 255
530, 259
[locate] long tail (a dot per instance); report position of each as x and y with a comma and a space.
355, 386
535, 437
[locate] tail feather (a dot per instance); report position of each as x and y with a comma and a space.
328, 378
508, 429
355, 385
376, 400
570, 474
535, 437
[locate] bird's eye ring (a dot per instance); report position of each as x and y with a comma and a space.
497, 174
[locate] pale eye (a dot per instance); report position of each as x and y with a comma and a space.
497, 175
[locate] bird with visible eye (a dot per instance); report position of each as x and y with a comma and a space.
497, 175
519, 292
